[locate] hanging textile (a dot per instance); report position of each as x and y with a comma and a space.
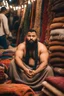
26, 24
38, 17
33, 9
44, 20
20, 34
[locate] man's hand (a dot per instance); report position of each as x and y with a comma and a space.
10, 34
27, 72
30, 73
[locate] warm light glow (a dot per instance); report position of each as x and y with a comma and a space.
10, 0
25, 5
4, 3
22, 6
19, 7
32, 0
7, 7
10, 6
29, 2
14, 8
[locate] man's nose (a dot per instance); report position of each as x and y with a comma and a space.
31, 37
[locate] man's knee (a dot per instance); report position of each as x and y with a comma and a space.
50, 70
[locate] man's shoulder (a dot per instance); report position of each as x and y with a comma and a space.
21, 45
2, 16
41, 46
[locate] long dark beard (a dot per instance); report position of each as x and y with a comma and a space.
31, 46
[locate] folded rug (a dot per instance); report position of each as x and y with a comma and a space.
56, 54
16, 90
7, 54
58, 7
56, 59
58, 37
57, 31
5, 62
57, 48
53, 43
56, 25
59, 71
59, 64
58, 82
59, 14
55, 1
58, 19
3, 73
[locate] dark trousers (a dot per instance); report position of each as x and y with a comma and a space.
3, 42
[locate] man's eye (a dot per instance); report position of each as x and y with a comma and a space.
33, 36
29, 36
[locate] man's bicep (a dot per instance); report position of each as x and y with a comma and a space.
19, 54
44, 56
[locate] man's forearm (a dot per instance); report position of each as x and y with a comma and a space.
41, 67
20, 63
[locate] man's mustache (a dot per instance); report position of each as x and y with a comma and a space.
31, 40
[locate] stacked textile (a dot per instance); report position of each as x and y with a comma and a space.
16, 90
3, 73
56, 44
54, 86
56, 40
6, 57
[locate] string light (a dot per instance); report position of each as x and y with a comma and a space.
5, 3
22, 6
29, 2
25, 5
10, 6
19, 7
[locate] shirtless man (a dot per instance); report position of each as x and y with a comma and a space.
30, 65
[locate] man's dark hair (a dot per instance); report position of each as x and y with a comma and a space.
3, 9
32, 30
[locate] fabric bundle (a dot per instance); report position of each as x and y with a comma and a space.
56, 48
33, 11
16, 90
38, 16
53, 86
44, 20
3, 73
56, 40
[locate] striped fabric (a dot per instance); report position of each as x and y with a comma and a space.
57, 31
58, 19
38, 16
55, 43
56, 25
59, 37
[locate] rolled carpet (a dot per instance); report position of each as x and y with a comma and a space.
58, 19
57, 48
16, 90
56, 25
56, 42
